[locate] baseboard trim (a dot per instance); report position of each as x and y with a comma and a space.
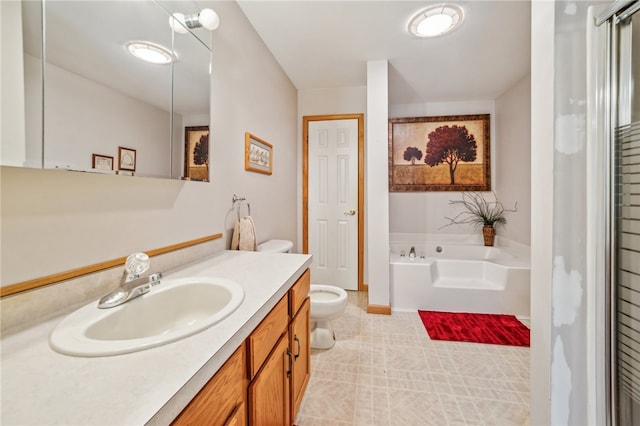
379, 309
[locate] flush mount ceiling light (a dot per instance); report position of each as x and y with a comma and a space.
435, 21
150, 52
206, 18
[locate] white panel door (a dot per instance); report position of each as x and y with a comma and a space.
333, 202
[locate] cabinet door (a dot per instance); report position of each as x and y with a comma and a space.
301, 351
269, 391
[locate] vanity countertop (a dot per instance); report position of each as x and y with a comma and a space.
41, 386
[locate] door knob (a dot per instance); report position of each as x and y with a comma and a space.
350, 212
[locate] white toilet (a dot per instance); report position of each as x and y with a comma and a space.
328, 302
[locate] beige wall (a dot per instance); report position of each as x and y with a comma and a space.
425, 212
54, 221
512, 166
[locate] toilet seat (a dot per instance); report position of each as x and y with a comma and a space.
327, 301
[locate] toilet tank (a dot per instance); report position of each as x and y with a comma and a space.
276, 246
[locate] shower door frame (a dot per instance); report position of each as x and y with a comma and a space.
600, 231
608, 107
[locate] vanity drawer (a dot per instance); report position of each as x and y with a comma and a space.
266, 335
299, 293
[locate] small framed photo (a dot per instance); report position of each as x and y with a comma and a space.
258, 154
126, 159
102, 162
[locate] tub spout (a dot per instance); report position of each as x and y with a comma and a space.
412, 252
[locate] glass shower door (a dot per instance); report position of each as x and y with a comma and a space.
627, 196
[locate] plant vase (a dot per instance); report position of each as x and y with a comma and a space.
489, 234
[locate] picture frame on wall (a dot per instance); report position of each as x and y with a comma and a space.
196, 153
258, 154
126, 159
102, 162
440, 153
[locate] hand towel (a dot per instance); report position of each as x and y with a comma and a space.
247, 234
235, 237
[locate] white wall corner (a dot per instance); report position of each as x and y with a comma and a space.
377, 186
542, 153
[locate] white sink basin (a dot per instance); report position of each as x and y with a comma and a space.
172, 310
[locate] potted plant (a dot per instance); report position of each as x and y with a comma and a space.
480, 211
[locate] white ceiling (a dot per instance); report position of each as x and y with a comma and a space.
326, 44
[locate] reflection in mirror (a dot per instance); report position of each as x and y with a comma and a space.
98, 98
191, 97
15, 106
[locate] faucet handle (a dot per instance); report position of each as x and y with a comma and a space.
136, 264
154, 279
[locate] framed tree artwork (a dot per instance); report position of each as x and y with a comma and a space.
443, 153
196, 153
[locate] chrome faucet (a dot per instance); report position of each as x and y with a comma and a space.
412, 252
132, 284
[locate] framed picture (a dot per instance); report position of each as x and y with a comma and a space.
102, 162
444, 153
258, 154
126, 159
196, 153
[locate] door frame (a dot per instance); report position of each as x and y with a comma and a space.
305, 184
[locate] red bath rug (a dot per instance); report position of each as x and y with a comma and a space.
478, 328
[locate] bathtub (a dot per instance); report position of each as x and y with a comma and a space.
460, 276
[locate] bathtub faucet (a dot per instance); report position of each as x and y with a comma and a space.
412, 252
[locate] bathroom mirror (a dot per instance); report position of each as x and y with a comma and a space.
92, 99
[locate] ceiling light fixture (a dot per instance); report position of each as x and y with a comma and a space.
435, 21
206, 18
150, 52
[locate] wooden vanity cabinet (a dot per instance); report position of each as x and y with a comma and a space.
221, 400
264, 380
276, 390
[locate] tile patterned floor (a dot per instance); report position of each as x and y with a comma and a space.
384, 370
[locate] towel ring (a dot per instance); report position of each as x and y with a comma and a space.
238, 209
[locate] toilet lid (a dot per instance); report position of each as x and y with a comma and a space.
276, 246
